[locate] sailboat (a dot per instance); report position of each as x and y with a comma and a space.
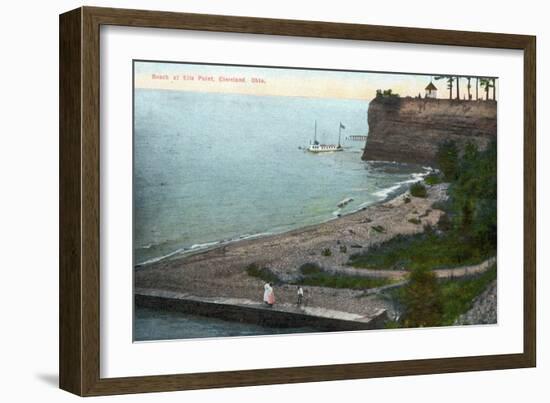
317, 147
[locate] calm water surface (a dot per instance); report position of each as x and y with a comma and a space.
152, 324
211, 168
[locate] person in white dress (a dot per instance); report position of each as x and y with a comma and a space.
267, 289
269, 295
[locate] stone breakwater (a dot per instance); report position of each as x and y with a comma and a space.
285, 315
411, 129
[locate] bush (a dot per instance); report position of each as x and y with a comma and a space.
343, 249
418, 190
444, 223
265, 274
414, 221
392, 324
310, 268
443, 205
326, 252
433, 179
407, 199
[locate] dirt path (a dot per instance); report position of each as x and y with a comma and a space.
454, 272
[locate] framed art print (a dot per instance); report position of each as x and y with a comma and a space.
250, 201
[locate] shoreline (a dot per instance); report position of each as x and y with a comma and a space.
221, 270
184, 252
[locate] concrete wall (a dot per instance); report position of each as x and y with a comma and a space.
258, 315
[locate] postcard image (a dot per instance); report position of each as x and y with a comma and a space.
275, 200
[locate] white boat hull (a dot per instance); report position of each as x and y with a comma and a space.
323, 149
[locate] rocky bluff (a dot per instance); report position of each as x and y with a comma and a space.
411, 129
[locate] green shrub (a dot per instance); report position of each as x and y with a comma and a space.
326, 252
392, 324
343, 249
418, 190
443, 205
433, 179
263, 273
407, 199
414, 221
310, 268
444, 223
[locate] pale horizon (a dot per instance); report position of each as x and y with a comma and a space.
290, 82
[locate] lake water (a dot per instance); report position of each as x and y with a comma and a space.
154, 324
211, 168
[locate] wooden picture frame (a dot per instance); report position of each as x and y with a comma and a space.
79, 278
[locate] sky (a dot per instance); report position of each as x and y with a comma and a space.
284, 81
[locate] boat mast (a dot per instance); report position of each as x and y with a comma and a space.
315, 135
339, 134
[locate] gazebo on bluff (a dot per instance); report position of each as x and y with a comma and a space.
431, 91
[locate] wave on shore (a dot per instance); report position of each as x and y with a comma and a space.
382, 195
392, 190
198, 247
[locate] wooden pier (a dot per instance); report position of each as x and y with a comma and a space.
357, 137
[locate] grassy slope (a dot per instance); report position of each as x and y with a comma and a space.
458, 295
428, 249
335, 281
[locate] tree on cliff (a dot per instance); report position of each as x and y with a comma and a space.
486, 84
447, 159
386, 93
450, 80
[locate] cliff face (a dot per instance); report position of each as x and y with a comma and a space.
411, 130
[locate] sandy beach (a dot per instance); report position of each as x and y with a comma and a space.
221, 272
